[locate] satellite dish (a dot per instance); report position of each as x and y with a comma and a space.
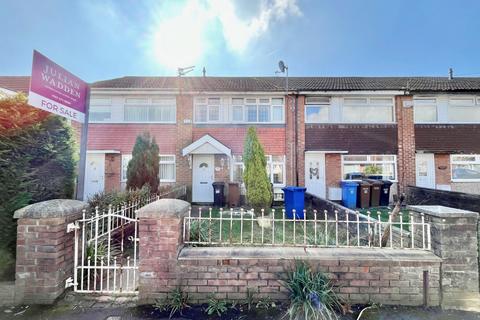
282, 66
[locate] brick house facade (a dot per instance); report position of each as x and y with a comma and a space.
413, 131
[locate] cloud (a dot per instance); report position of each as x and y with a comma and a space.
182, 35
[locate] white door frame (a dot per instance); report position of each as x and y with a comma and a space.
319, 190
98, 176
422, 180
205, 193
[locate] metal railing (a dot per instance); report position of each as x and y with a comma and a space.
218, 227
106, 246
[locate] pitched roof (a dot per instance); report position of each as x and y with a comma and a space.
295, 83
15, 83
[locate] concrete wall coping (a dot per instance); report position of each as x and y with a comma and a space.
444, 212
164, 208
56, 208
289, 253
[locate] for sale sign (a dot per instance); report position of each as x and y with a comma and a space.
54, 89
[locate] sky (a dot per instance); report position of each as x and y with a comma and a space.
99, 40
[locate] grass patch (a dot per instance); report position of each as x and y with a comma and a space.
384, 215
7, 265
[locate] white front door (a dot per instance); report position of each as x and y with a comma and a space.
94, 174
203, 171
315, 174
425, 170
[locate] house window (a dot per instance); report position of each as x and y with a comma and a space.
465, 168
237, 168
100, 110
463, 110
146, 110
317, 109
383, 165
425, 110
368, 110
208, 110
275, 169
166, 167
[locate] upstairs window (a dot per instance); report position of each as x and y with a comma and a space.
150, 110
463, 110
425, 110
368, 110
317, 109
100, 110
239, 110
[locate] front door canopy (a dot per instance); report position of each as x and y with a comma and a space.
207, 145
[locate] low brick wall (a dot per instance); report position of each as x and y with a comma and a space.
358, 275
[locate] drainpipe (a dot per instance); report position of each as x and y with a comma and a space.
295, 143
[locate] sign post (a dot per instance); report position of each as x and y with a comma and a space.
54, 89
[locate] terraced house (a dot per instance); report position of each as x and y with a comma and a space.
421, 131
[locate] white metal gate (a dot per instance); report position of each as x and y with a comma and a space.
106, 249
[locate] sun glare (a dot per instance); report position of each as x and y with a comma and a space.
179, 40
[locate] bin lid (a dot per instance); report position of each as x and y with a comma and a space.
293, 188
387, 182
350, 183
373, 181
218, 183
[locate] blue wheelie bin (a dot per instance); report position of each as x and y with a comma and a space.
294, 199
349, 194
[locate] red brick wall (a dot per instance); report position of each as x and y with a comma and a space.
442, 169
121, 137
300, 140
271, 138
113, 163
333, 170
406, 143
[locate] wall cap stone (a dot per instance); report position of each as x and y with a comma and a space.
56, 208
289, 253
164, 208
444, 212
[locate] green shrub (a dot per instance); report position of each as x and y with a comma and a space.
216, 306
259, 192
117, 198
199, 231
176, 301
38, 156
311, 295
143, 169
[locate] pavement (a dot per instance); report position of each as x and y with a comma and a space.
109, 311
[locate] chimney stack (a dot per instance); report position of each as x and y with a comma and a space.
204, 71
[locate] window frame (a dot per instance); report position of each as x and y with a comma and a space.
174, 162
107, 103
270, 164
320, 104
435, 103
368, 161
368, 103
231, 102
452, 162
123, 167
444, 104
149, 103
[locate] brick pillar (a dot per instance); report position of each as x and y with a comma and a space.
184, 137
295, 163
454, 239
160, 233
301, 140
406, 143
44, 249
